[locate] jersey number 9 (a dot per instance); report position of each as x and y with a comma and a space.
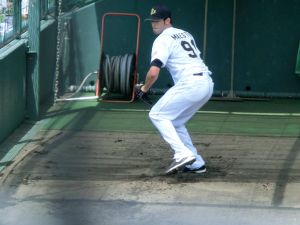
189, 48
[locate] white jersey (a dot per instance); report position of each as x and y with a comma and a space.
178, 52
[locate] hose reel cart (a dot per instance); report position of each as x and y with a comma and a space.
117, 75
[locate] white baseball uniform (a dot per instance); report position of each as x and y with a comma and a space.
193, 87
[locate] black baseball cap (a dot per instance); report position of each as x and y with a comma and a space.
159, 12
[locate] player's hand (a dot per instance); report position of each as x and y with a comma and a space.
138, 91
141, 95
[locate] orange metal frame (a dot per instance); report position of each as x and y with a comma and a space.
98, 87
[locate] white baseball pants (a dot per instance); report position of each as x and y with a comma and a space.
170, 114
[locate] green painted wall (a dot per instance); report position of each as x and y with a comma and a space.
13, 67
12, 88
267, 39
265, 43
219, 42
120, 34
47, 60
81, 52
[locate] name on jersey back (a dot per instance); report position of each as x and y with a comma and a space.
180, 35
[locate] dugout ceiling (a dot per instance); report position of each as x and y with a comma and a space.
250, 46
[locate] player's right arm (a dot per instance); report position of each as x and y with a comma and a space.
159, 56
151, 77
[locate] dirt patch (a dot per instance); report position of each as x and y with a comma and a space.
112, 156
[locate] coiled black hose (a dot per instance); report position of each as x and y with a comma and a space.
117, 73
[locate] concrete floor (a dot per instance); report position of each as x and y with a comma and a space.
72, 176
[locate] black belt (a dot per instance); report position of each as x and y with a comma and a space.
198, 74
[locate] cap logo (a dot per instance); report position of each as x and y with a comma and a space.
153, 11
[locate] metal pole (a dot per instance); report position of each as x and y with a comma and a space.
44, 9
33, 59
205, 31
231, 93
17, 18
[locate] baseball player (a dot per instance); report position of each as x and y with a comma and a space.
176, 50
